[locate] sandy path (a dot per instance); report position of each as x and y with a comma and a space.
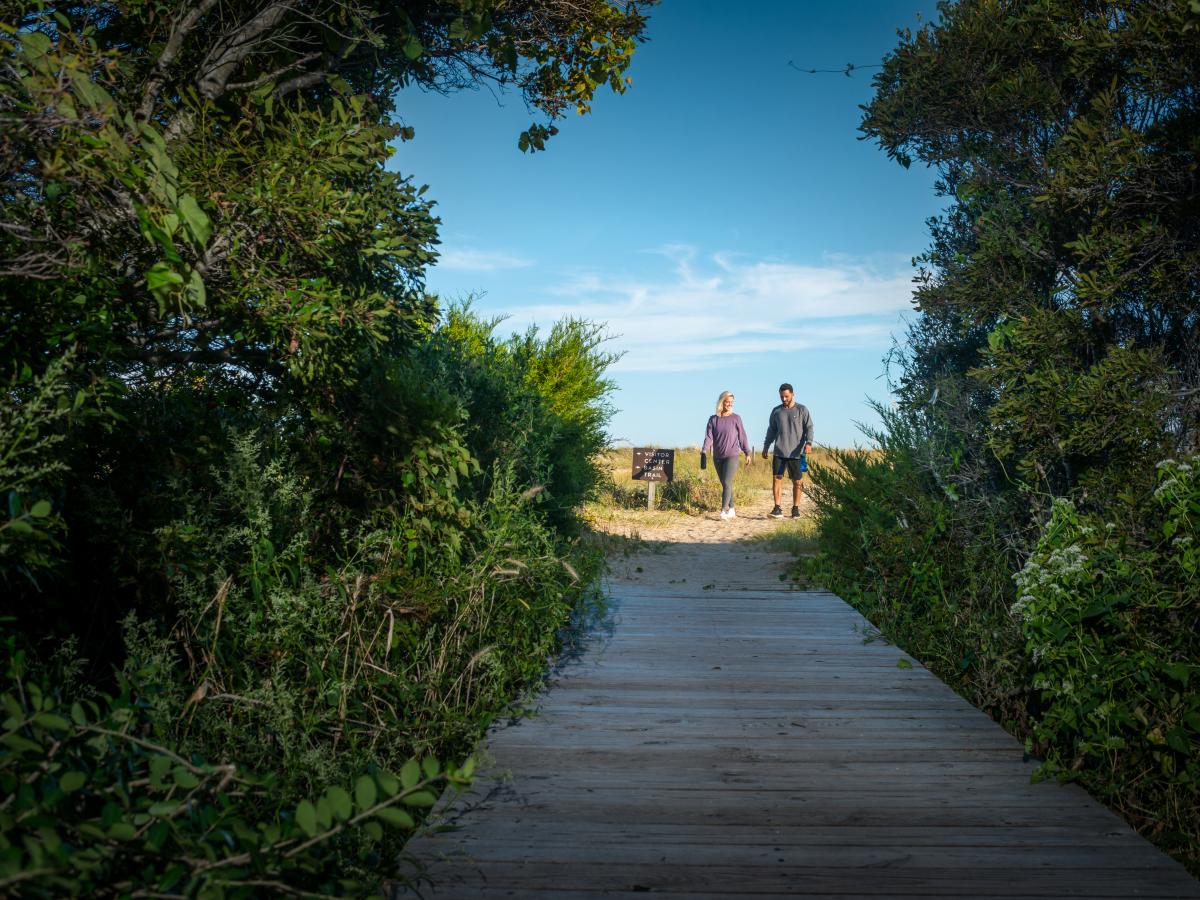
709, 528
704, 551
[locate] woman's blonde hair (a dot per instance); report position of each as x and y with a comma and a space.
721, 400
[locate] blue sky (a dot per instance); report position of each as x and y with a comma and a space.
722, 216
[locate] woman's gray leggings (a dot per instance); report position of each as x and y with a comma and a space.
726, 469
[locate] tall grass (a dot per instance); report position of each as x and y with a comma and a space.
693, 490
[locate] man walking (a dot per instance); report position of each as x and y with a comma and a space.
791, 430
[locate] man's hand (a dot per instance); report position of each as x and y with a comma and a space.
764, 452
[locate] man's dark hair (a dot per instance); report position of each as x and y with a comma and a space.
785, 387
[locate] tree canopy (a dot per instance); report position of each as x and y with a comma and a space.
204, 182
1067, 136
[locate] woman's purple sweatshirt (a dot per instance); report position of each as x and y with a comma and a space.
725, 436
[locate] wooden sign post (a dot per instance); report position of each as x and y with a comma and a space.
651, 466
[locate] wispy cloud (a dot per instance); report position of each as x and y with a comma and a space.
472, 260
717, 309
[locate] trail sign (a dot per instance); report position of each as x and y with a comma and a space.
650, 464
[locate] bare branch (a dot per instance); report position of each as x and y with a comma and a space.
307, 80
223, 60
169, 54
272, 76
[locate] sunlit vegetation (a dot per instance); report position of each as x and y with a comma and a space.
693, 490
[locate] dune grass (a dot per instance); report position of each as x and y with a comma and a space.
693, 491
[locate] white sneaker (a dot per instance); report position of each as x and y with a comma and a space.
732, 514
724, 514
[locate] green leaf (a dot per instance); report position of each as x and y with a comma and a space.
161, 279
339, 802
389, 782
431, 767
324, 812
394, 816
122, 831
374, 830
364, 792
185, 778
306, 817
1178, 742
51, 721
93, 95
197, 293
41, 509
410, 774
1180, 672
196, 220
71, 781
420, 798
160, 766
903, 664
35, 44
412, 47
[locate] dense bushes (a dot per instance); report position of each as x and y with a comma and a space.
927, 559
1086, 644
1112, 630
1023, 529
273, 526
303, 631
93, 807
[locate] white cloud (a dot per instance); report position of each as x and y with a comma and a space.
468, 259
726, 307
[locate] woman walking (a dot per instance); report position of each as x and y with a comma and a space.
726, 436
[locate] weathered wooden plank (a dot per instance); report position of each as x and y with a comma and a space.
795, 880
748, 742
635, 852
1113, 835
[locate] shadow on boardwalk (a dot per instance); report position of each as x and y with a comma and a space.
733, 737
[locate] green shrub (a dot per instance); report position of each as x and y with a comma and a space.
94, 805
306, 597
1112, 623
393, 651
31, 433
913, 543
537, 402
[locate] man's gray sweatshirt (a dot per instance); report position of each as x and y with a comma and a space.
790, 429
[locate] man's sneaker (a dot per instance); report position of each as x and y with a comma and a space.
732, 514
795, 512
724, 514
777, 512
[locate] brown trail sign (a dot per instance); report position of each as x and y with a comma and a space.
651, 465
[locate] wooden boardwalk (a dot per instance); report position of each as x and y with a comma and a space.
729, 737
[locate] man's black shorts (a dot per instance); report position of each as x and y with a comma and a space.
790, 467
